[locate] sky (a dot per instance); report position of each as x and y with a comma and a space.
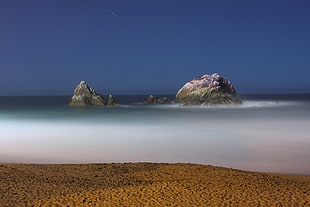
153, 46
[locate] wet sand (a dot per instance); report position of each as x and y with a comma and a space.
147, 184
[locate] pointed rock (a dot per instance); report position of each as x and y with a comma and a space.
86, 96
150, 100
208, 90
111, 101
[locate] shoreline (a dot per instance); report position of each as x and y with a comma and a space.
147, 184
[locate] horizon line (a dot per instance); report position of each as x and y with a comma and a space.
146, 94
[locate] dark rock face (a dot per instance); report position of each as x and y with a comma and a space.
163, 100
208, 90
111, 101
86, 96
155, 100
151, 100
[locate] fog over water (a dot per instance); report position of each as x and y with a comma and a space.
264, 134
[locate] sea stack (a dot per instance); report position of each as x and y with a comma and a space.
111, 101
208, 90
155, 100
86, 96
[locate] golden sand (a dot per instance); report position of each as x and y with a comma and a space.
147, 184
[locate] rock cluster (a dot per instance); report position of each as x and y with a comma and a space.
86, 96
208, 90
204, 90
155, 100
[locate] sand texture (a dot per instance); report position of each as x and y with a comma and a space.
147, 184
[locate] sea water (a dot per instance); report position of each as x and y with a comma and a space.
268, 133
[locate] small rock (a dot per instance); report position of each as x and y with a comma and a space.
111, 101
155, 100
163, 100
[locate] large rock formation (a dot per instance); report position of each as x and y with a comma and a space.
86, 96
155, 100
208, 90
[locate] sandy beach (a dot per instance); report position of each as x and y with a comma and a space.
147, 184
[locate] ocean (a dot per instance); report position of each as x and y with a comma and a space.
269, 133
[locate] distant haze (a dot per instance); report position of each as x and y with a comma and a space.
260, 135
142, 47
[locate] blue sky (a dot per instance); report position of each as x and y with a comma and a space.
137, 47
